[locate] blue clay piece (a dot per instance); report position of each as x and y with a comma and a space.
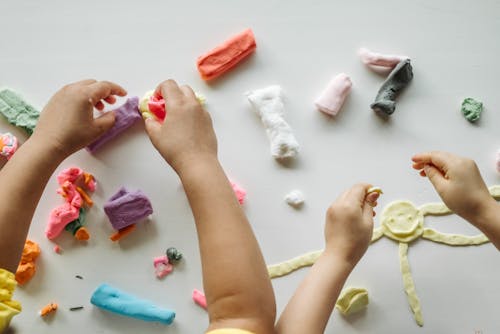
113, 300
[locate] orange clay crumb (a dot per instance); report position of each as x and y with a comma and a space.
48, 309
82, 234
85, 197
26, 268
121, 233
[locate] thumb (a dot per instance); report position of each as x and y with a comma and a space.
437, 179
105, 122
153, 129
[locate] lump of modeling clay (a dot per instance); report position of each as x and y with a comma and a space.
334, 95
370, 58
26, 268
226, 56
113, 300
268, 104
162, 266
17, 111
397, 80
352, 300
471, 109
151, 106
127, 207
125, 117
48, 309
8, 145
295, 198
173, 255
199, 298
239, 192
71, 215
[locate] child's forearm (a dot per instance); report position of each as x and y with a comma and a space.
489, 222
22, 181
312, 304
235, 278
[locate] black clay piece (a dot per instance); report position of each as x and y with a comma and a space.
397, 80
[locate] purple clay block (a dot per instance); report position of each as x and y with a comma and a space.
125, 117
127, 207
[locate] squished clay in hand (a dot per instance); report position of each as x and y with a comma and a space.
125, 117
332, 98
268, 104
397, 80
226, 56
113, 300
151, 106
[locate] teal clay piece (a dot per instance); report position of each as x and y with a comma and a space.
173, 255
17, 111
472, 109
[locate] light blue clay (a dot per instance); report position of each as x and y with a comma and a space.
114, 300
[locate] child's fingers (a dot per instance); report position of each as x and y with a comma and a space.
110, 99
437, 158
105, 122
102, 89
188, 91
358, 193
435, 176
99, 106
85, 82
169, 90
152, 128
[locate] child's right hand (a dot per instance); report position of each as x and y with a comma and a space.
458, 181
349, 224
187, 134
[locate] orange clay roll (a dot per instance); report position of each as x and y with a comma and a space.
226, 56
122, 232
48, 309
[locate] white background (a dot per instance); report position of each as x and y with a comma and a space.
301, 44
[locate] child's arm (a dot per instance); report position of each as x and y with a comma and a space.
348, 230
460, 185
238, 290
66, 124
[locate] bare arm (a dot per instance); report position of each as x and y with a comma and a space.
238, 289
461, 187
348, 230
65, 125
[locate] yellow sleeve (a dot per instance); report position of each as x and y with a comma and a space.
229, 331
8, 307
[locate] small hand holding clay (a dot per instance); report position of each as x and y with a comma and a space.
187, 134
459, 183
67, 122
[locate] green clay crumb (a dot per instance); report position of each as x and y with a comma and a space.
17, 111
472, 109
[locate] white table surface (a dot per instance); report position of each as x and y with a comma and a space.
301, 45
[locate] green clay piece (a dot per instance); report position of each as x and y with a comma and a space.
76, 224
17, 111
173, 255
472, 109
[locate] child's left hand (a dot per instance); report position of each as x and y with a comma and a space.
349, 224
67, 122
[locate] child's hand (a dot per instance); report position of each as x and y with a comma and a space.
457, 180
67, 123
349, 223
187, 134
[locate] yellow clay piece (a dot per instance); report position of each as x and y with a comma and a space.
402, 221
352, 300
